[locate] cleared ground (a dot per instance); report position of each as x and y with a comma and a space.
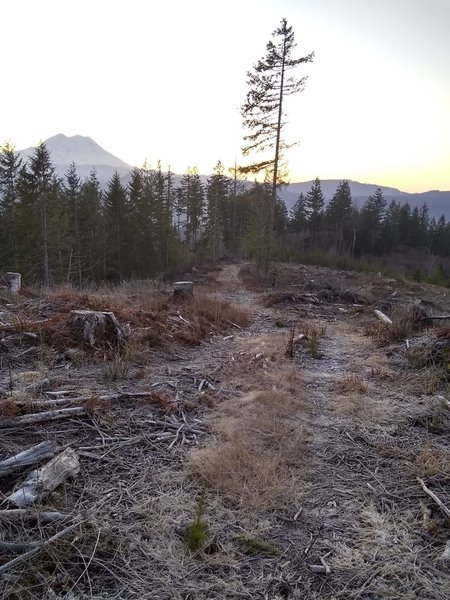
258, 442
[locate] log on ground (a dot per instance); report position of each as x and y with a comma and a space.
41, 417
42, 482
14, 515
28, 457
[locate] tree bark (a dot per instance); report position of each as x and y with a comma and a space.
13, 281
98, 327
28, 457
183, 289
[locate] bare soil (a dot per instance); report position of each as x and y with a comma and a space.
294, 442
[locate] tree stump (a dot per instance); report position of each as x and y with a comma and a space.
183, 289
98, 328
13, 281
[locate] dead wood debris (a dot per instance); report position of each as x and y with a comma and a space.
127, 504
42, 481
31, 456
433, 496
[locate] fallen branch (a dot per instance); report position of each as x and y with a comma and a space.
49, 415
43, 481
28, 457
37, 549
435, 318
39, 387
233, 324
176, 427
25, 514
17, 547
433, 496
319, 569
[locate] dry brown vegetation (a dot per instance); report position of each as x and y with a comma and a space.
260, 455
214, 463
351, 383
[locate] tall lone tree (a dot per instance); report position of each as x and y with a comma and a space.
262, 112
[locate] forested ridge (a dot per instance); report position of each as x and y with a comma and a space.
55, 230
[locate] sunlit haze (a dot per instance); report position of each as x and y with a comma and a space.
165, 81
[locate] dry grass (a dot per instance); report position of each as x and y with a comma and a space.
351, 384
216, 312
352, 404
117, 368
406, 322
312, 329
141, 483
426, 381
155, 318
388, 559
258, 452
432, 461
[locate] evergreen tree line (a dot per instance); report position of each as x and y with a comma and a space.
55, 230
376, 229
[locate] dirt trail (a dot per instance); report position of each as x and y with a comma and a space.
363, 513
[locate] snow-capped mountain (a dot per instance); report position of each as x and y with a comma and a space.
85, 153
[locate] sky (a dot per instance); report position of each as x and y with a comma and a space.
152, 80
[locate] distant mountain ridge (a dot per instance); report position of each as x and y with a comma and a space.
438, 202
88, 155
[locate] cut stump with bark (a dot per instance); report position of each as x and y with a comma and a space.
93, 328
43, 481
13, 281
183, 289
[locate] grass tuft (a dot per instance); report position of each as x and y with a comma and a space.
255, 546
351, 383
433, 462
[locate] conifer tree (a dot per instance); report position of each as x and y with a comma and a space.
116, 234
338, 215
263, 110
162, 214
192, 198
237, 209
389, 233
298, 218
72, 188
37, 187
258, 200
314, 206
10, 165
372, 215
91, 229
140, 216
217, 194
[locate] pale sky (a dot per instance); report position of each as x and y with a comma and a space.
165, 80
